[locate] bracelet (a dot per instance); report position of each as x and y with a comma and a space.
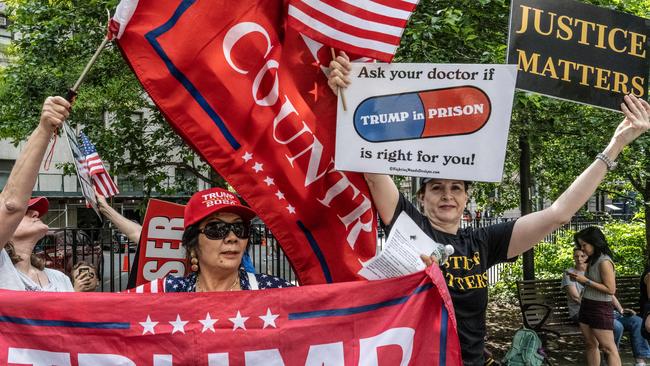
611, 164
588, 282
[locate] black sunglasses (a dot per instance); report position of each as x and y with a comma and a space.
218, 230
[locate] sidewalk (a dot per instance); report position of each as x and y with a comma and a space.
503, 320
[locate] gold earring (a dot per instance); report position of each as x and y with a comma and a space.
194, 261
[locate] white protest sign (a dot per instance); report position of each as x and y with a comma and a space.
428, 120
85, 182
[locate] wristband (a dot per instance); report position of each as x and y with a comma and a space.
611, 164
588, 282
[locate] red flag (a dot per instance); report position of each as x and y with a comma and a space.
371, 28
252, 100
402, 321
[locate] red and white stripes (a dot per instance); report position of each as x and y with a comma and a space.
371, 28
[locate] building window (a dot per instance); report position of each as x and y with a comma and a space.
5, 170
186, 181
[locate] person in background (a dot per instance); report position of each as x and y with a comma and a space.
20, 217
624, 319
644, 292
477, 249
574, 288
596, 316
84, 277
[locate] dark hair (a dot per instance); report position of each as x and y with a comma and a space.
420, 192
592, 235
190, 240
15, 258
84, 263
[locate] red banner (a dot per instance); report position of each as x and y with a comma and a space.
160, 251
402, 321
252, 99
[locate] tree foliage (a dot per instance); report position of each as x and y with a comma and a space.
55, 41
553, 257
59, 36
564, 137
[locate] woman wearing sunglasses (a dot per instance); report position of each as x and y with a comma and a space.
217, 229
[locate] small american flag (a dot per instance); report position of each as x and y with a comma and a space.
371, 28
95, 168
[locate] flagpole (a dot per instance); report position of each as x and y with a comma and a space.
72, 92
339, 91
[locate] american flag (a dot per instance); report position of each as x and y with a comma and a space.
95, 168
371, 28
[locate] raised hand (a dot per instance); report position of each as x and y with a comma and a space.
54, 112
636, 122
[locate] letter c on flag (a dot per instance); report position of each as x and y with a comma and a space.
238, 32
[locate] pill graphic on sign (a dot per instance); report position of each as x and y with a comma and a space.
432, 113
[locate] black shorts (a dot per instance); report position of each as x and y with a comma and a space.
597, 314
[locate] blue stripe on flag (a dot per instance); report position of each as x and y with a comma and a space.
63, 323
152, 38
443, 335
317, 252
358, 309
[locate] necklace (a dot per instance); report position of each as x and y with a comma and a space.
232, 287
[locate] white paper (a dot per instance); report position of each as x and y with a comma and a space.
401, 253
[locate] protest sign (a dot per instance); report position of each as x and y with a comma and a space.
403, 321
579, 52
78, 158
160, 252
251, 98
429, 120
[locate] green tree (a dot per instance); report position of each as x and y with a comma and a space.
56, 39
564, 137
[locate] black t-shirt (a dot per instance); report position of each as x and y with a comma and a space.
475, 250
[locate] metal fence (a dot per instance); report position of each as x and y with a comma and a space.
113, 255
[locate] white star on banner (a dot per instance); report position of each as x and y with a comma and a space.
178, 324
269, 319
269, 181
291, 209
258, 167
280, 195
238, 321
248, 156
148, 326
208, 323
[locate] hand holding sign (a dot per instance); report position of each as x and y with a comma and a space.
636, 119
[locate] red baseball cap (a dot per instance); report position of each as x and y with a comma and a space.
204, 203
39, 204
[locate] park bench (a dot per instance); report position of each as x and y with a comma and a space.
543, 304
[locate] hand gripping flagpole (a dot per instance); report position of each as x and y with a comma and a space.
339, 91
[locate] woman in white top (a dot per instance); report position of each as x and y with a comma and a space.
20, 223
